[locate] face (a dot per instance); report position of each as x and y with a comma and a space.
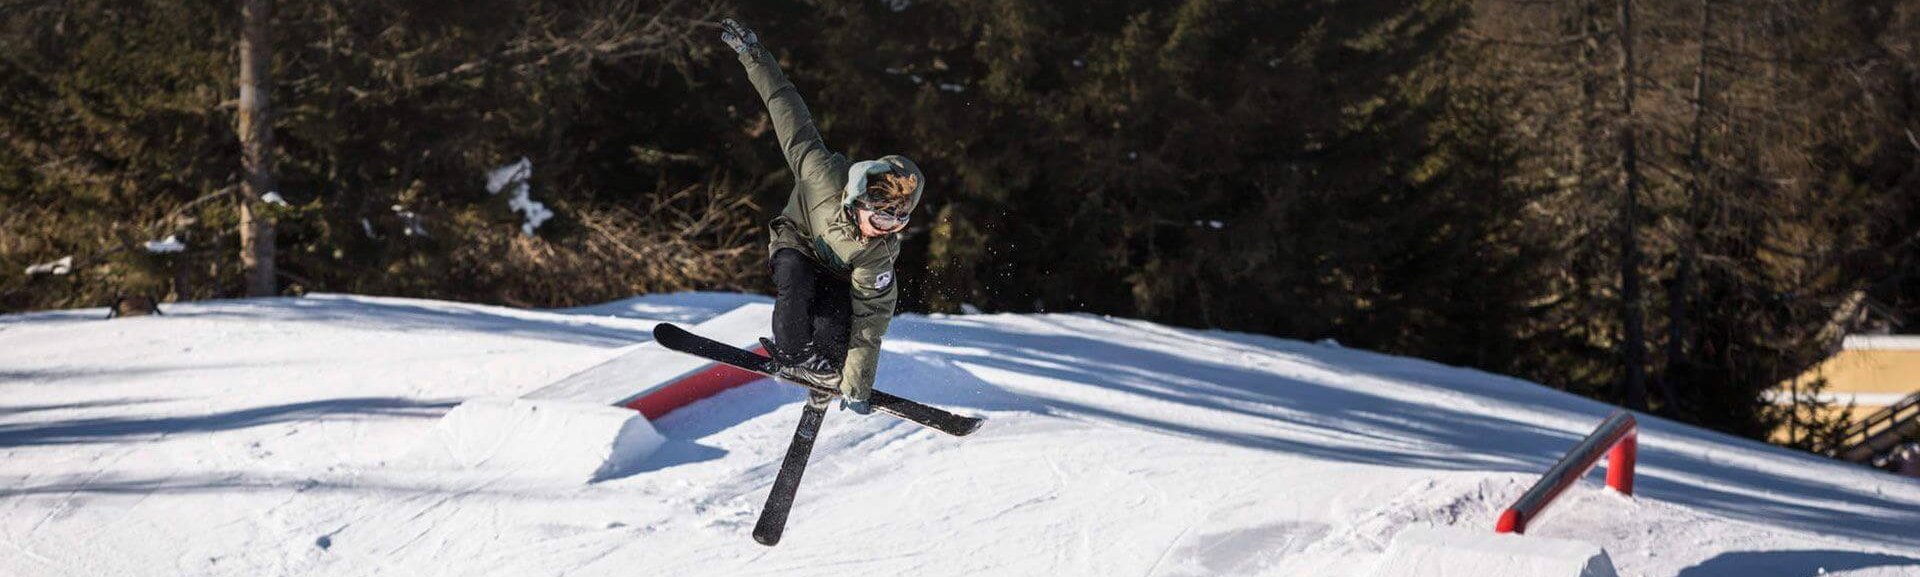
865, 217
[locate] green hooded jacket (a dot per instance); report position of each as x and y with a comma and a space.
816, 221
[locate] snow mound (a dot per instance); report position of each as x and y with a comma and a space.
272, 437
1453, 552
548, 439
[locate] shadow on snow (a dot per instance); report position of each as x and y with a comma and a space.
116, 429
1397, 432
416, 316
1745, 563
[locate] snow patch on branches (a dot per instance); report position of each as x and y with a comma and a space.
55, 268
514, 178
168, 245
410, 219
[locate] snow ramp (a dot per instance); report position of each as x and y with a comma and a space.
592, 425
1459, 552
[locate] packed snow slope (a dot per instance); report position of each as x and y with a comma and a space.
271, 437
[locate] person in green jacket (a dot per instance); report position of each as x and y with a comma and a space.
834, 245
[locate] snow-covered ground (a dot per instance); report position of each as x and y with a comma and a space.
271, 437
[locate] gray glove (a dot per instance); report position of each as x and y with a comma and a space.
737, 35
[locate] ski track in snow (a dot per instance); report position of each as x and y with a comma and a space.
272, 437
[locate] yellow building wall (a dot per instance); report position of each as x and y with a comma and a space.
1870, 371
1873, 372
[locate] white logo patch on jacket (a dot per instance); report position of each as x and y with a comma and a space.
881, 282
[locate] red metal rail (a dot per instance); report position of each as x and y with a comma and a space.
1617, 438
706, 383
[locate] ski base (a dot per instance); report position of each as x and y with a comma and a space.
786, 484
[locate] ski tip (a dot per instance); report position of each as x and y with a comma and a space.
663, 327
766, 539
971, 427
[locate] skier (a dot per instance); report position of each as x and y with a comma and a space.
833, 246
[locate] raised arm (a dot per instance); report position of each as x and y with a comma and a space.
792, 123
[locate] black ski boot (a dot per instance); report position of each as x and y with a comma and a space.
858, 407
809, 368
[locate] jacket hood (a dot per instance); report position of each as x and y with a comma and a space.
857, 178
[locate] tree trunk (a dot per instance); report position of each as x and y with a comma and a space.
1681, 290
1635, 347
256, 145
1589, 97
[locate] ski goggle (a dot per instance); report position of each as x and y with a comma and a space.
884, 217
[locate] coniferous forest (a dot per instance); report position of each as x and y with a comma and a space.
1660, 203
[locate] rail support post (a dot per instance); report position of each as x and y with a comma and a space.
1620, 463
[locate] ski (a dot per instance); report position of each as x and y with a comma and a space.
786, 485
676, 338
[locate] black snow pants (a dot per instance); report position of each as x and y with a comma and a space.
812, 310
